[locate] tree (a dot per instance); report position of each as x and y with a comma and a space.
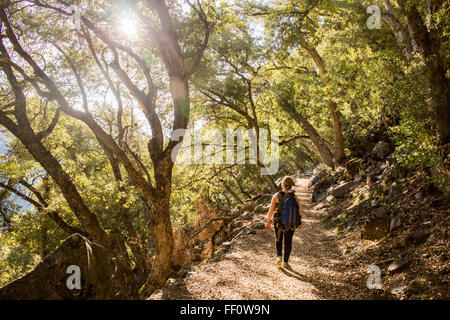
19, 59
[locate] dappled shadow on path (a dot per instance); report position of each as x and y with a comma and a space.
315, 273
316, 268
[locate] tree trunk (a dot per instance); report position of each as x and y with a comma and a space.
332, 107
325, 153
231, 192
160, 227
430, 47
440, 99
400, 33
270, 181
338, 137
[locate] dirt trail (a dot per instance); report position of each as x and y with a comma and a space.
250, 273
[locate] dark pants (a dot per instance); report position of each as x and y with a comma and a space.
287, 236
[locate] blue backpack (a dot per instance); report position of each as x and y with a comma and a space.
288, 213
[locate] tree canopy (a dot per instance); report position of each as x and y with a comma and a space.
93, 95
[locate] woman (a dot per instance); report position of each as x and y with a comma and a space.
286, 185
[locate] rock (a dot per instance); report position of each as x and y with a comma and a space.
247, 231
258, 225
227, 244
319, 191
247, 206
382, 149
296, 175
397, 286
395, 223
319, 206
320, 197
48, 280
259, 209
236, 231
317, 176
246, 216
385, 262
243, 231
234, 255
375, 228
414, 287
417, 237
399, 265
353, 166
380, 212
317, 169
341, 190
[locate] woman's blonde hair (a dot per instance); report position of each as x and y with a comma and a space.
287, 182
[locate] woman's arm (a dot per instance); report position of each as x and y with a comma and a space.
271, 210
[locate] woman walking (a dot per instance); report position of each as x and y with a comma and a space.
284, 213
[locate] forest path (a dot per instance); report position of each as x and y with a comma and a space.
248, 271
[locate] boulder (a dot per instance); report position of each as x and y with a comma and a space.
51, 278
341, 190
399, 265
395, 223
353, 166
319, 191
257, 225
318, 174
382, 149
397, 286
416, 237
414, 287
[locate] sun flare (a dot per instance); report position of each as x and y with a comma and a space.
128, 27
